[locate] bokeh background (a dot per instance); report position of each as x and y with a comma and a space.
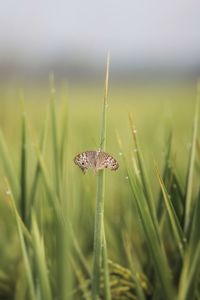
147, 40
154, 66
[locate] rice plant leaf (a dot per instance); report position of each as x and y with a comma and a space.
40, 260
106, 275
190, 171
166, 172
64, 137
37, 172
144, 178
52, 198
8, 167
26, 258
189, 275
54, 131
155, 248
23, 167
77, 251
195, 225
99, 213
176, 227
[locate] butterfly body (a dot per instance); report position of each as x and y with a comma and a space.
97, 160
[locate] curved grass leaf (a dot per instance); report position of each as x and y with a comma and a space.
176, 227
190, 172
40, 261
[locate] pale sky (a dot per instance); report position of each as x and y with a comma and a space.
142, 30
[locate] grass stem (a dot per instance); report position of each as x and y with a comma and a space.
100, 195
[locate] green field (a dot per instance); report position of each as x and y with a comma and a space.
152, 202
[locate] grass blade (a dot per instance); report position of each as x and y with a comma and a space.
155, 248
144, 179
176, 227
106, 275
37, 169
189, 275
27, 262
166, 171
8, 166
190, 271
23, 169
190, 172
40, 260
99, 228
54, 131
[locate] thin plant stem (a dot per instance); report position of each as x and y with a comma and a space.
100, 195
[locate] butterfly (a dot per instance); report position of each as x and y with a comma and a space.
97, 160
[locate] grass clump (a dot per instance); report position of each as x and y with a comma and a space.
49, 235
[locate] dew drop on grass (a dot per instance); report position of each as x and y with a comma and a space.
181, 246
135, 130
184, 240
135, 150
8, 192
126, 177
120, 153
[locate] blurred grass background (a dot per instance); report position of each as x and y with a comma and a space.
157, 111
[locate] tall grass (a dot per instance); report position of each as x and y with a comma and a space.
99, 234
52, 245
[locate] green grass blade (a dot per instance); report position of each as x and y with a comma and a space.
190, 172
107, 292
190, 270
55, 145
8, 166
40, 260
78, 252
52, 198
134, 269
144, 178
98, 234
194, 234
159, 260
37, 172
23, 168
64, 138
98, 231
175, 225
23, 244
166, 172
190, 275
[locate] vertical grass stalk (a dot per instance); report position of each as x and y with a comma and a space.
191, 163
23, 244
107, 293
23, 170
56, 155
99, 228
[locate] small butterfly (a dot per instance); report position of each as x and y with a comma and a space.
98, 160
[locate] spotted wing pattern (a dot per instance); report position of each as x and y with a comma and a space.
105, 160
85, 160
97, 160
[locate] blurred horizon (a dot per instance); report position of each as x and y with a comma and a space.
146, 40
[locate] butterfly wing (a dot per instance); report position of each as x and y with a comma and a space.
105, 160
85, 160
